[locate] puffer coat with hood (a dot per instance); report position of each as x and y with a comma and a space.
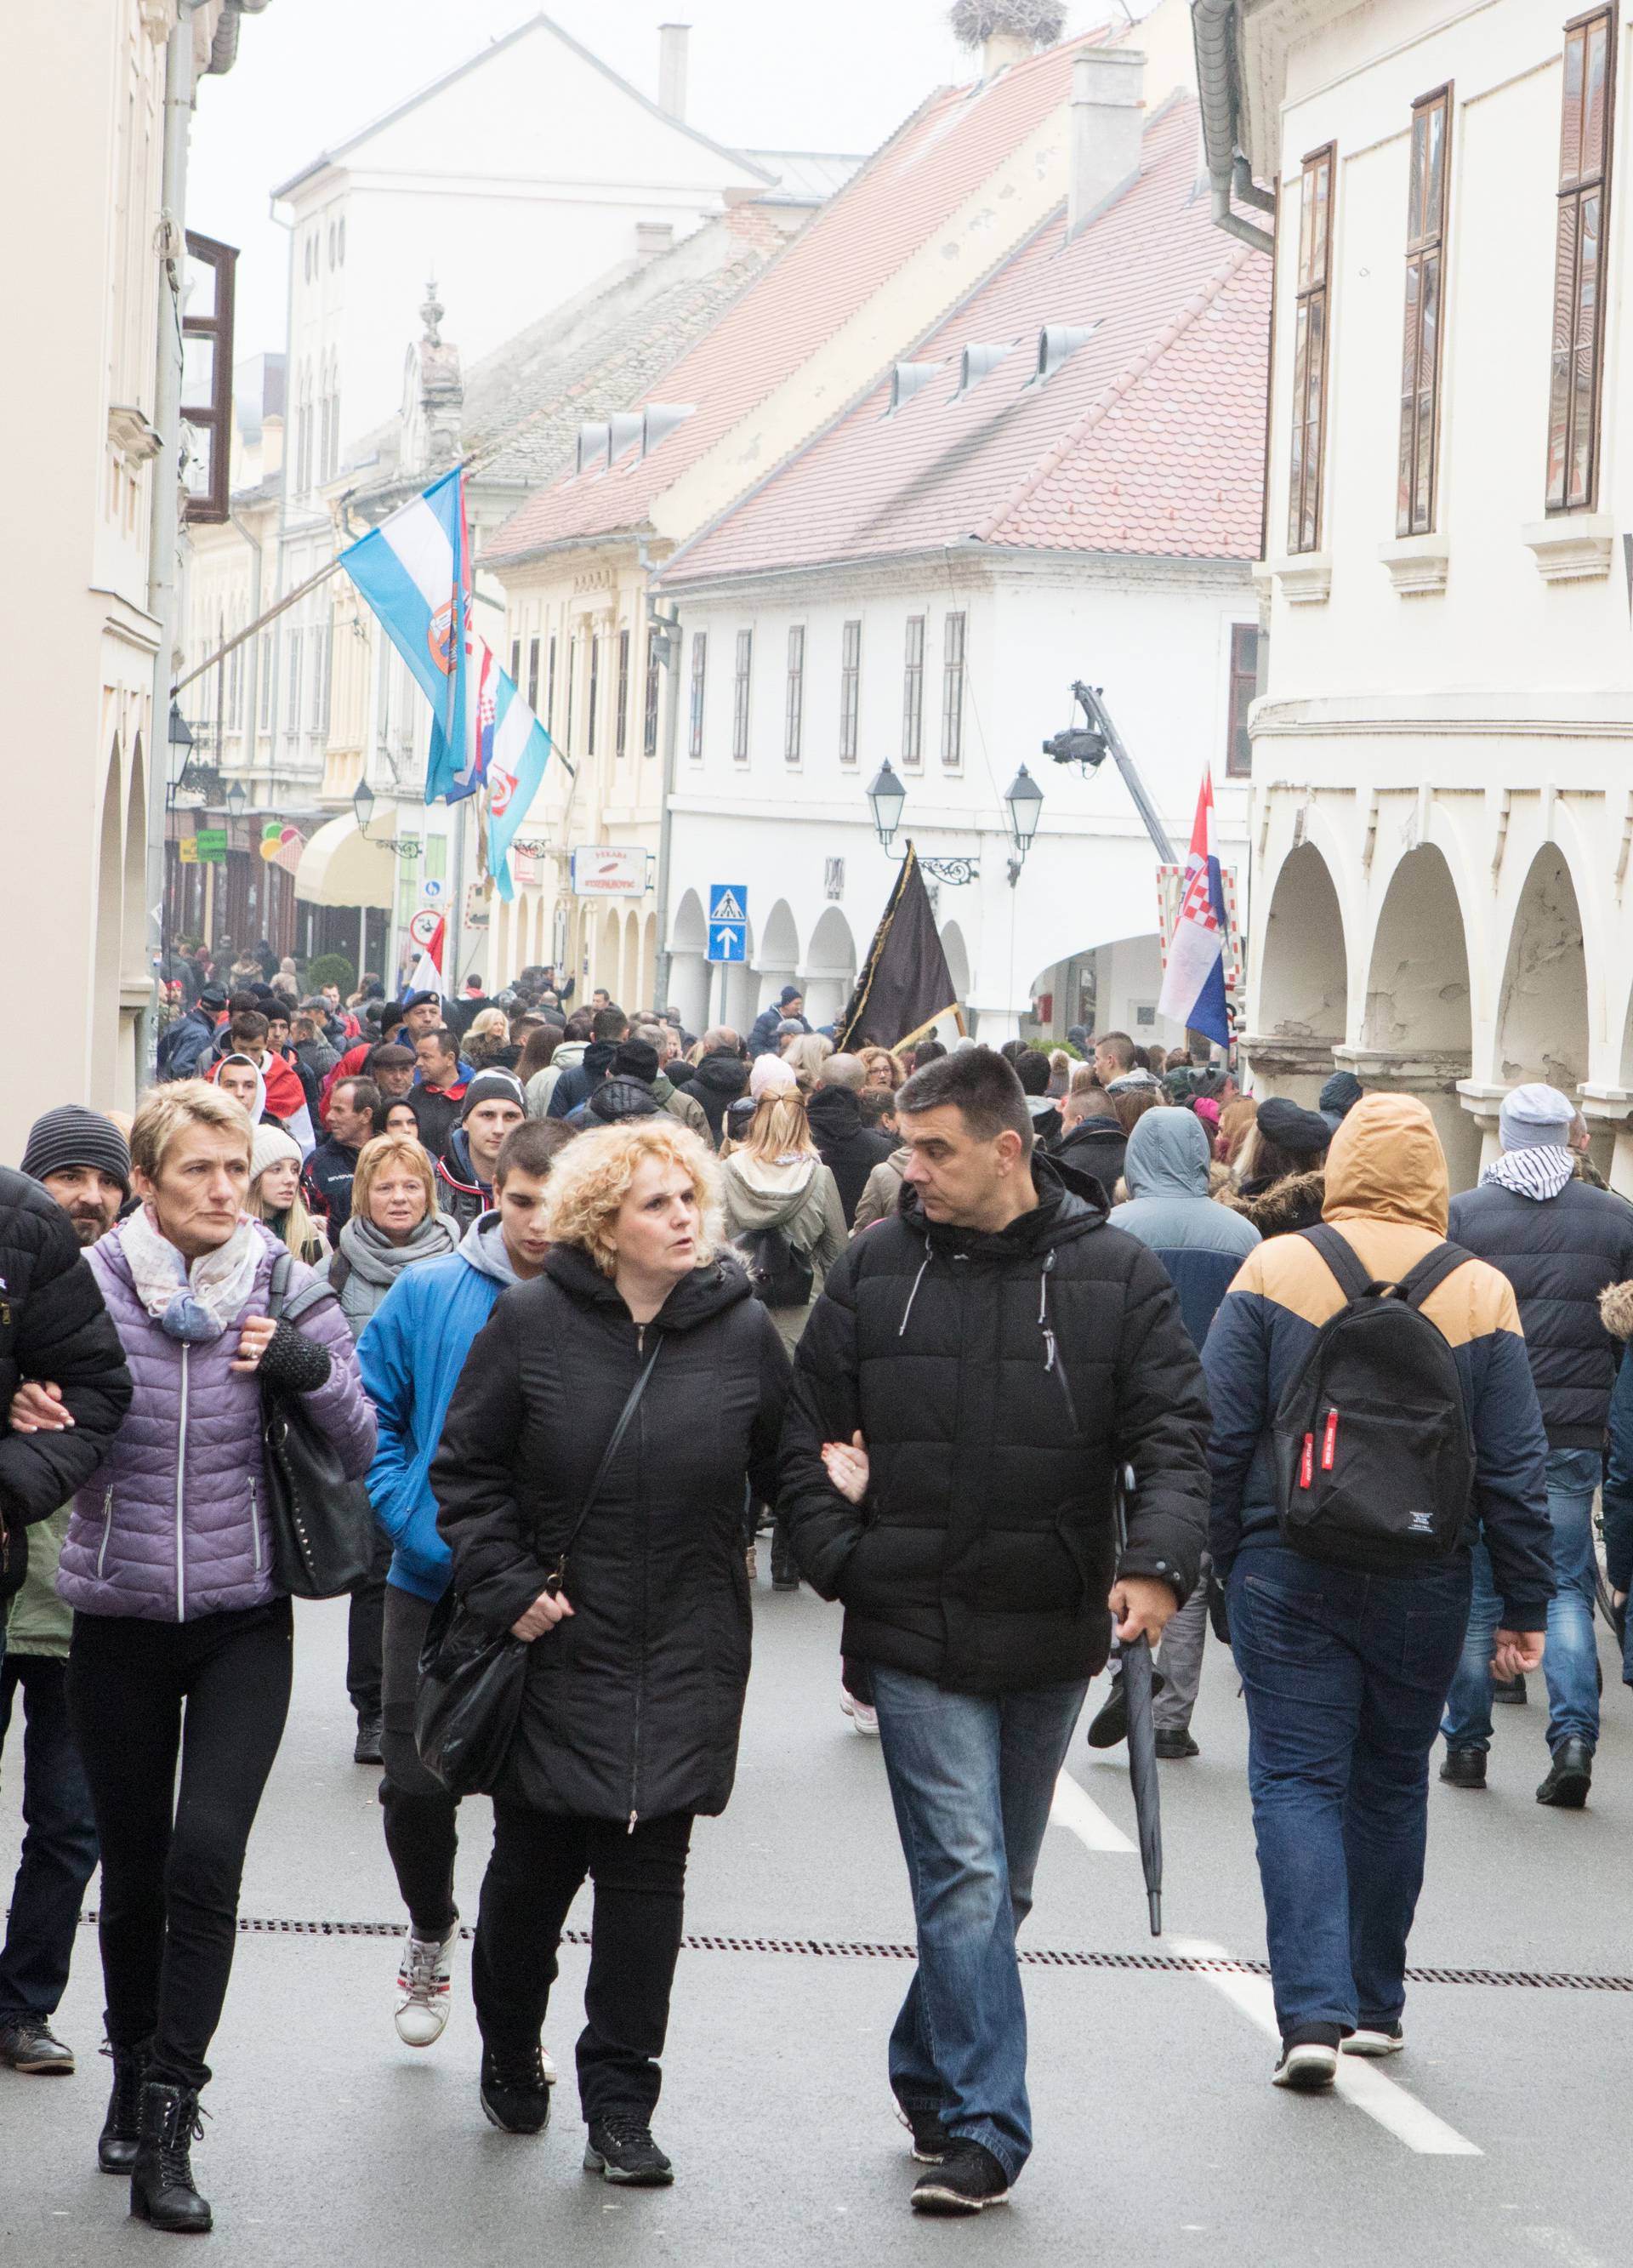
798, 1195
715, 1084
1096, 1146
633, 1703
1280, 1208
1386, 1193
999, 1382
1171, 1209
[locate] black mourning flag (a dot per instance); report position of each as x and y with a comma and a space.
905, 984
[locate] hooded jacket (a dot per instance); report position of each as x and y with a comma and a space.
1559, 1253
1282, 1207
797, 1194
681, 1103
411, 1355
1387, 1192
172, 1525
568, 1057
460, 1194
614, 1100
1096, 1146
883, 1192
185, 1048
848, 1150
1171, 1209
366, 1263
326, 1180
999, 1382
284, 1098
632, 1706
579, 1081
715, 1085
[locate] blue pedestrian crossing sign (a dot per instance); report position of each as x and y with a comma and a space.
728, 922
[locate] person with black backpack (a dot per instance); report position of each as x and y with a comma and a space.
1372, 1406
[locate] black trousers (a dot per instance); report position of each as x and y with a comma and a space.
422, 1833
215, 1692
539, 1860
365, 1632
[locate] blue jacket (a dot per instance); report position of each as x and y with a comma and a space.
411, 1355
1200, 1242
1386, 1193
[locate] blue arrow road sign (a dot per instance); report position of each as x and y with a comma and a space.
728, 922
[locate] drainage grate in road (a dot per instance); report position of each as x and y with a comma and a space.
1031, 1956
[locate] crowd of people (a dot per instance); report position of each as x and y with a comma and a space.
496, 1258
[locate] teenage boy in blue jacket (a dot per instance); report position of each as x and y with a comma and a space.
411, 1355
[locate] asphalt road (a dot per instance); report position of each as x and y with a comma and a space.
1501, 2133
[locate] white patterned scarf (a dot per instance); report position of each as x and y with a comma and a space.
1539, 1173
193, 1303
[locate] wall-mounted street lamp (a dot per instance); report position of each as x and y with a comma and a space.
363, 801
1024, 805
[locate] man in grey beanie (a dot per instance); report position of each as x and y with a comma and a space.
1560, 1242
81, 1160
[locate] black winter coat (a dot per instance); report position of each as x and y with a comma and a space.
53, 1325
1559, 1254
633, 1703
1096, 1146
848, 1149
716, 1083
998, 1381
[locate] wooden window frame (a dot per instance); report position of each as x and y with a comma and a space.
1243, 685
741, 694
593, 694
953, 688
849, 688
651, 697
697, 695
622, 736
1417, 490
913, 694
213, 419
794, 699
1579, 188
1312, 311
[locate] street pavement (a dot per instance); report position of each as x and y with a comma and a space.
1501, 2133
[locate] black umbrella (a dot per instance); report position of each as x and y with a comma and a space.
1137, 1685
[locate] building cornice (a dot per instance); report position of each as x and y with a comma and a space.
972, 566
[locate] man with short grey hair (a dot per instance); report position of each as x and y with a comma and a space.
848, 1149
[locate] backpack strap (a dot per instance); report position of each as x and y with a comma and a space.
1432, 1271
1354, 1280
277, 1283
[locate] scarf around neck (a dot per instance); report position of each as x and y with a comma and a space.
192, 1304
1539, 1173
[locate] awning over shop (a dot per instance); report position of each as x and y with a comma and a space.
338, 867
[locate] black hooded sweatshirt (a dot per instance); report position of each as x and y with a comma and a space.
848, 1149
716, 1083
632, 1704
999, 1382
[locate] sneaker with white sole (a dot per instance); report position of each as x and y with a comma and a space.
1375, 2040
424, 1986
865, 1719
1307, 2067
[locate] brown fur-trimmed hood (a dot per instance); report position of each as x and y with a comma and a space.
1615, 1310
1292, 1203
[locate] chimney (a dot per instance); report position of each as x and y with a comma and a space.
653, 239
1000, 49
1107, 126
672, 42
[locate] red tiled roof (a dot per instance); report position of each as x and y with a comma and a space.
1150, 439
851, 248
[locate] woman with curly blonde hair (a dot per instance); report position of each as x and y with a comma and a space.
591, 1484
883, 1069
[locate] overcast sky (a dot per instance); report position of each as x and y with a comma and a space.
764, 74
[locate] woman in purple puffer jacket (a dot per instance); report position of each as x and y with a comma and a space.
167, 1566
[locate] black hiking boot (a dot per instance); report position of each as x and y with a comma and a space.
161, 2180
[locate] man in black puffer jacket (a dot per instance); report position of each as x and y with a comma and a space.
53, 1325
976, 1370
719, 1077
848, 1149
1560, 1242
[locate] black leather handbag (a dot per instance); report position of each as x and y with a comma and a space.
322, 1524
471, 1680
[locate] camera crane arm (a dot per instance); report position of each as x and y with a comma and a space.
1089, 745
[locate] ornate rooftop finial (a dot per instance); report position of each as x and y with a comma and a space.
431, 314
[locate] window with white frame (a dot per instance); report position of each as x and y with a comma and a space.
740, 696
695, 711
953, 692
794, 704
849, 689
913, 693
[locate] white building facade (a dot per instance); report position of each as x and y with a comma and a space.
1442, 816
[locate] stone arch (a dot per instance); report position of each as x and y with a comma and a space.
958, 959
831, 967
649, 961
629, 979
110, 896
687, 935
776, 947
1305, 978
689, 972
1543, 1008
1417, 1029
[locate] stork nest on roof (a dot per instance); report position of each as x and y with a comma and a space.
1042, 21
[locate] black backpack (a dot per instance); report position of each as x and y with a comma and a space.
779, 1273
1375, 1460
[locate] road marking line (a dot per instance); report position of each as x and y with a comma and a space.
1358, 2081
1075, 1807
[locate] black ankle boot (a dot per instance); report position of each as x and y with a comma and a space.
116, 2145
161, 2180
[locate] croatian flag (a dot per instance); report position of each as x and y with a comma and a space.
1193, 984
415, 571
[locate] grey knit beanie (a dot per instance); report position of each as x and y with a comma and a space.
74, 1135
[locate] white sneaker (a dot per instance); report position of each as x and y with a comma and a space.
424, 1987
864, 1720
1369, 2041
1308, 2069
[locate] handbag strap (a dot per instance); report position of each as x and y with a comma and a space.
630, 1406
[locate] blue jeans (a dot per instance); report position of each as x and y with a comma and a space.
1571, 1662
59, 1847
1344, 1676
972, 1781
